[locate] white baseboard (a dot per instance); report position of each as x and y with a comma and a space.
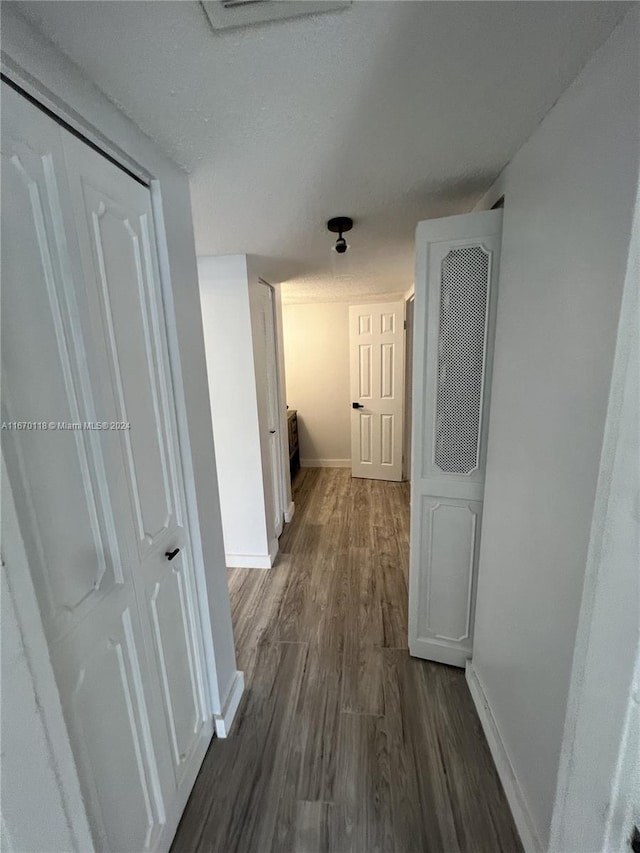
290, 512
253, 561
519, 809
325, 463
440, 652
224, 721
248, 561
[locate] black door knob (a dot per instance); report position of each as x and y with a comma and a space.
357, 406
171, 554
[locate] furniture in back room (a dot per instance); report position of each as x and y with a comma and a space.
294, 447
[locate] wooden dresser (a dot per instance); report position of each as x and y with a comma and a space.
294, 447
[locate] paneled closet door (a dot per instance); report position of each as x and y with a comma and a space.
114, 222
456, 287
83, 342
65, 484
268, 397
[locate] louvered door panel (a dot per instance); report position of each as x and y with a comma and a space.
456, 284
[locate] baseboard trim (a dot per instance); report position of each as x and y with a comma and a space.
515, 797
290, 512
224, 721
248, 561
273, 551
433, 650
325, 463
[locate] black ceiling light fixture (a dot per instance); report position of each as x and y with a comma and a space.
340, 225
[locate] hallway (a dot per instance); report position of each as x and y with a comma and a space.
343, 742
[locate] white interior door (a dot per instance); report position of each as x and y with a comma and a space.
456, 283
83, 346
376, 342
268, 395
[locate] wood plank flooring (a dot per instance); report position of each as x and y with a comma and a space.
343, 743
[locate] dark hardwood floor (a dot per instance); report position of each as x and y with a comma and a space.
343, 742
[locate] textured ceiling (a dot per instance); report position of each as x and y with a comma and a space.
388, 112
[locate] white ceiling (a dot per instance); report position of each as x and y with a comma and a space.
388, 112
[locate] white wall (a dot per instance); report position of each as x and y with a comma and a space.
224, 294
599, 778
316, 353
569, 195
24, 48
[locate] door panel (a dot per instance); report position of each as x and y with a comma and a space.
387, 440
103, 695
377, 370
46, 379
461, 274
448, 548
365, 373
175, 654
84, 343
387, 390
118, 246
365, 440
113, 218
273, 389
268, 396
455, 302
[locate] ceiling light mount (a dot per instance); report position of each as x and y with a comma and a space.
340, 225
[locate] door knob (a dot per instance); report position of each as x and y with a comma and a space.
357, 406
171, 554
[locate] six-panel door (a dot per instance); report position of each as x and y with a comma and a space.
376, 341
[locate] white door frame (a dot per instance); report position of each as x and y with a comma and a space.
38, 93
409, 319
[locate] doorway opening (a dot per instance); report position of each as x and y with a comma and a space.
346, 381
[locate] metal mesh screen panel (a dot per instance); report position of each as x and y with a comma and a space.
463, 310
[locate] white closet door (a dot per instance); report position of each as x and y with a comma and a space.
456, 283
268, 397
83, 341
376, 343
275, 406
114, 222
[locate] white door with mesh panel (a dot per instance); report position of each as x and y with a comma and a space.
376, 338
456, 286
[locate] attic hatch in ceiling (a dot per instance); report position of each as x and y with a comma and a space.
231, 14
